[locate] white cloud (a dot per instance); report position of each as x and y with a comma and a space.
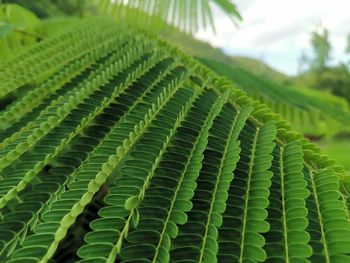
279, 29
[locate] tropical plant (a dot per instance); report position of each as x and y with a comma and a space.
124, 149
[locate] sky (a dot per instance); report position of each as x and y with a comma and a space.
277, 31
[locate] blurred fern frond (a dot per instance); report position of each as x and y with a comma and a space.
187, 15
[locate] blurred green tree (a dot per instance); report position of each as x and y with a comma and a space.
347, 50
303, 62
316, 72
321, 47
336, 79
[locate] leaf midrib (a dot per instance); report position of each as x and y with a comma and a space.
251, 164
284, 220
320, 218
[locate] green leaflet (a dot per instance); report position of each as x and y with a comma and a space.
185, 167
131, 203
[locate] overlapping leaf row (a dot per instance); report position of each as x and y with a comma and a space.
141, 108
329, 225
240, 236
59, 125
57, 51
44, 150
147, 186
56, 85
57, 99
81, 146
287, 239
197, 237
192, 173
26, 117
30, 100
140, 171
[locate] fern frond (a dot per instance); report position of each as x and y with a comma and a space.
287, 210
48, 55
189, 167
186, 185
56, 85
243, 220
329, 222
141, 193
220, 157
86, 94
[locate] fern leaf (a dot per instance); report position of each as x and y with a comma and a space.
329, 238
239, 236
93, 181
55, 85
217, 163
142, 179
49, 121
289, 207
186, 184
48, 56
